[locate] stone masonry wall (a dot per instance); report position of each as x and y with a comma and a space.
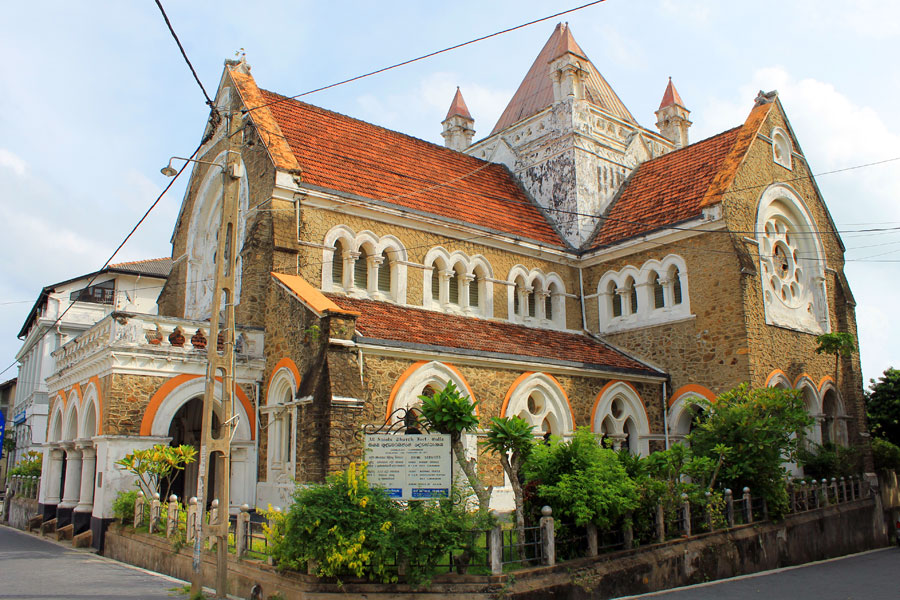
770, 345
315, 223
489, 387
708, 349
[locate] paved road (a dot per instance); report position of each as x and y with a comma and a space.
868, 576
32, 568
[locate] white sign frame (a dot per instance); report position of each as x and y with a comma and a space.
410, 467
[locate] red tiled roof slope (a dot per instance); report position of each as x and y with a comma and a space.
665, 190
157, 267
345, 154
385, 321
535, 93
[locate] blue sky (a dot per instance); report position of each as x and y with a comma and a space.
95, 98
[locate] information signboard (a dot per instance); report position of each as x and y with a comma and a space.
410, 467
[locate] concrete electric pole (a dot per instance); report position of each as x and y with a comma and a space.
215, 448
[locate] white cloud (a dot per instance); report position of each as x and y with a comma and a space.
11, 161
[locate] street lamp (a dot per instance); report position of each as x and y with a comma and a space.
170, 171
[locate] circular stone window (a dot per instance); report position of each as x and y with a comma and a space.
780, 260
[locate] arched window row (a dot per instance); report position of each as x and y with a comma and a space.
536, 298
655, 293
455, 282
823, 404
364, 265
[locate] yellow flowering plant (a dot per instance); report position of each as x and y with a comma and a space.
157, 466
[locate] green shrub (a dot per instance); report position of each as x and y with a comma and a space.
123, 505
348, 528
886, 455
828, 460
581, 481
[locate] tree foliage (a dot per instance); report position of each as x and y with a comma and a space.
157, 466
29, 465
449, 412
883, 406
582, 481
746, 436
512, 439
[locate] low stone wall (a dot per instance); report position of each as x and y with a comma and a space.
801, 538
158, 554
825, 533
20, 510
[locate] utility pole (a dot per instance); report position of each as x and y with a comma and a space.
215, 446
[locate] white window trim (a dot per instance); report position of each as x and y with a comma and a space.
647, 314
536, 282
633, 409
375, 247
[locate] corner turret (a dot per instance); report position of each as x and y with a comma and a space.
459, 126
672, 117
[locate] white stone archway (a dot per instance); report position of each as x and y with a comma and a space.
539, 400
243, 451
619, 414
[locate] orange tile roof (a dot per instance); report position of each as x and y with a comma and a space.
665, 190
309, 295
535, 93
344, 154
419, 328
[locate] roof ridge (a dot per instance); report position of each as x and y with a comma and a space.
441, 147
134, 262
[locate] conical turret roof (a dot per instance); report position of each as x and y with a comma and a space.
671, 96
535, 93
458, 107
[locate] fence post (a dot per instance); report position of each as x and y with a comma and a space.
748, 506
154, 512
548, 537
190, 521
825, 492
765, 509
241, 527
496, 548
628, 531
172, 516
592, 540
844, 488
138, 510
213, 519
834, 490
660, 523
686, 514
729, 507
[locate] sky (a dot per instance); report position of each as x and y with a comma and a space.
95, 98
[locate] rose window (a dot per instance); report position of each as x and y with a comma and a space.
780, 264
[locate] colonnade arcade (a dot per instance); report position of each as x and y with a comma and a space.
71, 456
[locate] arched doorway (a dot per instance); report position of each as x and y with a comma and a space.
186, 428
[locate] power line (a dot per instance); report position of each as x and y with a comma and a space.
424, 56
119, 247
184, 54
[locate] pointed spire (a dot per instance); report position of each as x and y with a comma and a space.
459, 126
672, 117
671, 96
536, 92
458, 107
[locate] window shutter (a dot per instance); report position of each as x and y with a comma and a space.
474, 293
454, 288
676, 286
384, 274
531, 305
659, 298
616, 305
337, 265
435, 284
548, 307
361, 270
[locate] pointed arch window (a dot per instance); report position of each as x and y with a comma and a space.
659, 293
337, 264
361, 270
616, 299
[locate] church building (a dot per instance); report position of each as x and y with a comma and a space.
572, 267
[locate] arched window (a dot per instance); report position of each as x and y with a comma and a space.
675, 278
538, 399
455, 284
384, 273
361, 270
620, 416
792, 262
834, 426
616, 299
781, 148
475, 292
631, 294
659, 297
337, 264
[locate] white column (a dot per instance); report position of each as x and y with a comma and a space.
88, 461
54, 472
72, 489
